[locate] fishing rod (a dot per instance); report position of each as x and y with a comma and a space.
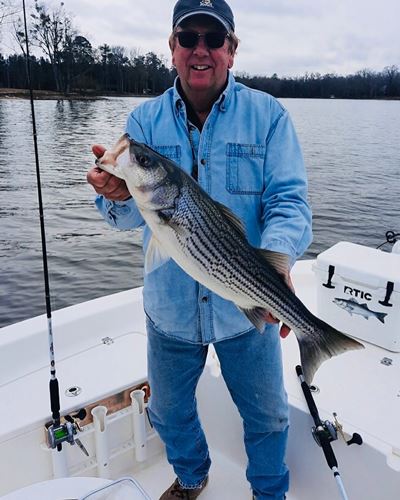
324, 432
58, 432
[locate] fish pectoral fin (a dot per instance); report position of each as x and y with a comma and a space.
257, 316
155, 256
279, 261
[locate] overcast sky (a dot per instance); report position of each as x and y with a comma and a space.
287, 37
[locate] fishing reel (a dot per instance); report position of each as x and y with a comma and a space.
65, 432
328, 431
324, 432
391, 237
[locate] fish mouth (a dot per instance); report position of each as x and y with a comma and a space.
109, 160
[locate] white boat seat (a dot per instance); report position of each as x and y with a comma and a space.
80, 488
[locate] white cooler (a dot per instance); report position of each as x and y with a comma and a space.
359, 293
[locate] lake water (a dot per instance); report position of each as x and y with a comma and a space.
351, 148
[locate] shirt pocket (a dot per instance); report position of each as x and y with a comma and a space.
171, 152
245, 168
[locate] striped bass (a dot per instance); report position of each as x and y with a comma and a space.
208, 242
354, 307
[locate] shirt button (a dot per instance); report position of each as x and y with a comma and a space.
204, 299
203, 161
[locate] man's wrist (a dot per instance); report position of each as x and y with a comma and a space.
125, 200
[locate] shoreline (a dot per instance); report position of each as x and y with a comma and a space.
10, 93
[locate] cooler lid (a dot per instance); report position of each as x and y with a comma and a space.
361, 264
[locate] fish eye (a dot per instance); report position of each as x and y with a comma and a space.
143, 160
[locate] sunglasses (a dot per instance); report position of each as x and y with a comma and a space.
190, 39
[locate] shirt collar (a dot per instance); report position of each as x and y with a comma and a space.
225, 98
178, 101
222, 101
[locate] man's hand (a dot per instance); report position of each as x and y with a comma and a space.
108, 185
269, 318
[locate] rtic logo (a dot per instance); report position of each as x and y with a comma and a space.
354, 292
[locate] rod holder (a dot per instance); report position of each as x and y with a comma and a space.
139, 424
101, 442
59, 462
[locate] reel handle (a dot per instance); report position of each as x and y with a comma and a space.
355, 439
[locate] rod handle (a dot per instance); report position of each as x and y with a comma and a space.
55, 400
328, 452
309, 397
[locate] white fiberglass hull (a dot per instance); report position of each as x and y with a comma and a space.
101, 349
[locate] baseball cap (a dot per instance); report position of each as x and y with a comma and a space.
218, 9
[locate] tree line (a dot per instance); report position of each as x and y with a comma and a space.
364, 84
106, 70
67, 62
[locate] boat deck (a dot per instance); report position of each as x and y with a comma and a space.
226, 482
227, 479
363, 391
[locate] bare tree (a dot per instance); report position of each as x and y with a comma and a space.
118, 59
8, 8
18, 33
52, 31
392, 80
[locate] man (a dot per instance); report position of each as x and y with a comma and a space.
241, 147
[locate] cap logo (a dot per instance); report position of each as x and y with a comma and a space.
206, 3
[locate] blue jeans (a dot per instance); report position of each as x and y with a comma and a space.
251, 365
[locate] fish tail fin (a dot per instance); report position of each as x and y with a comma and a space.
315, 349
381, 317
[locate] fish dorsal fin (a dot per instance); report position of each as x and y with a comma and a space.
155, 256
279, 261
233, 219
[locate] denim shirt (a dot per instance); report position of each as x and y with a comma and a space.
248, 158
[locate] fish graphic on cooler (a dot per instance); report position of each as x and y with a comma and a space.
354, 307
